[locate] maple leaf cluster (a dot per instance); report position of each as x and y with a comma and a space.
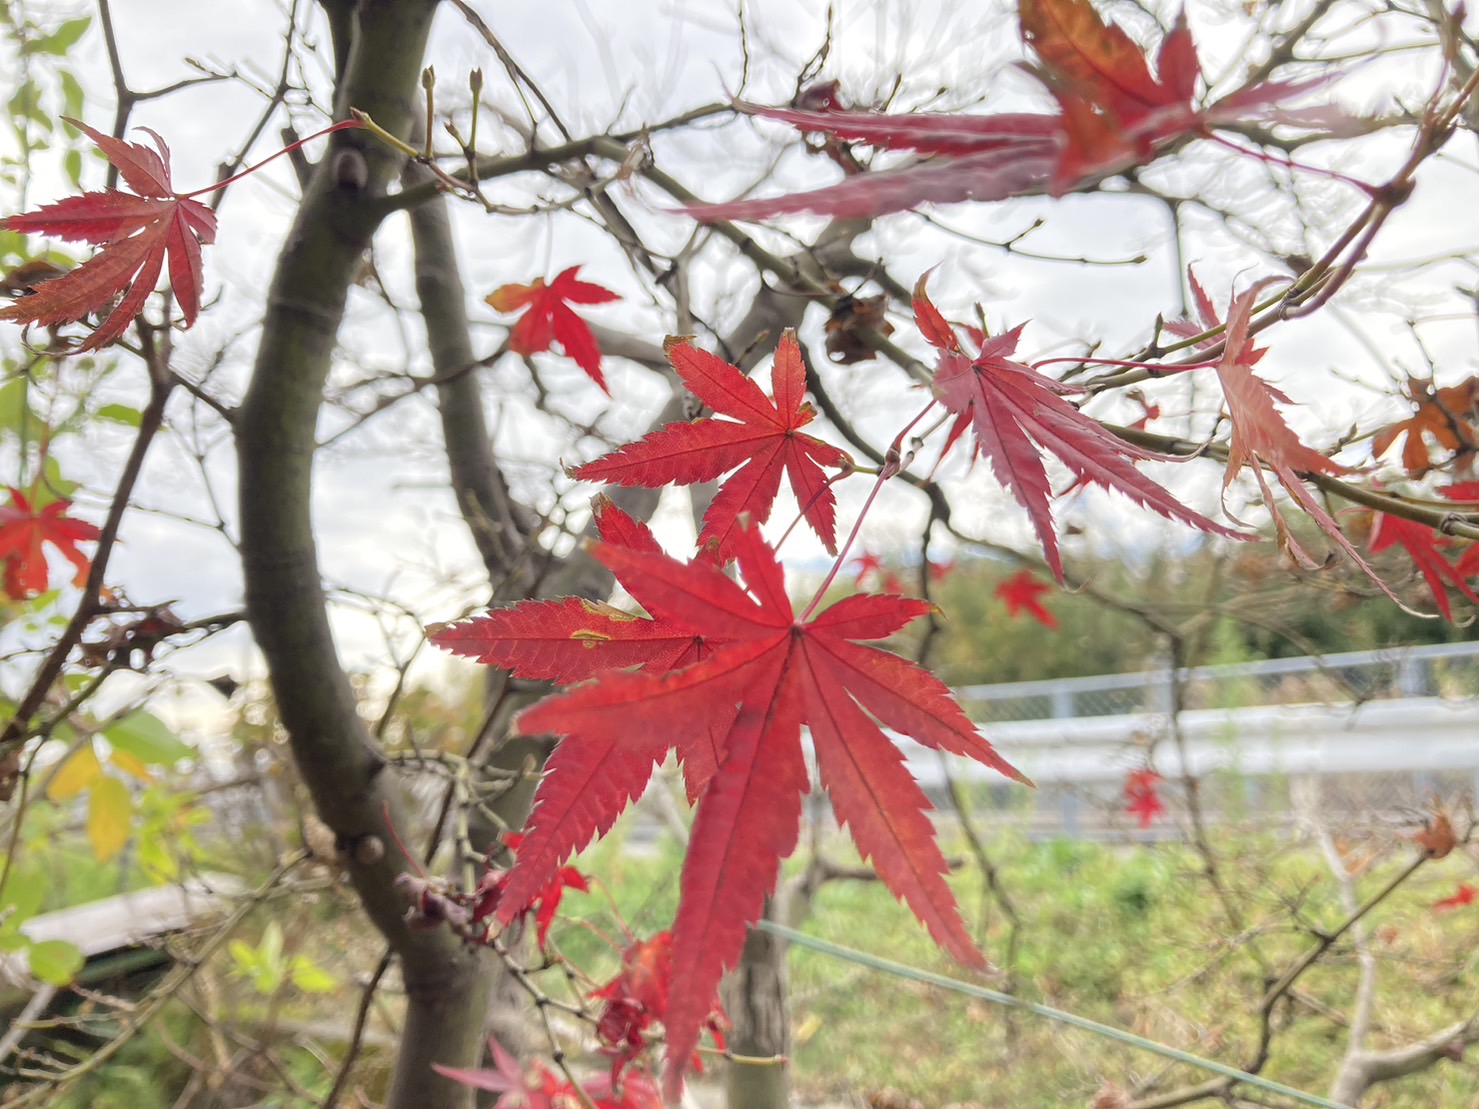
726, 675
1114, 112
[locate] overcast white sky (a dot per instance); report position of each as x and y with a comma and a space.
388, 525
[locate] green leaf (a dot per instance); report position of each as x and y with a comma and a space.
71, 98
110, 811
146, 737
309, 977
24, 894
60, 40
121, 414
72, 164
55, 962
15, 411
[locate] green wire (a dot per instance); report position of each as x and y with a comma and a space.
888, 966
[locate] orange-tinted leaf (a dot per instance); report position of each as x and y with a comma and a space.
1262, 439
1438, 838
548, 318
1446, 417
23, 530
759, 437
138, 233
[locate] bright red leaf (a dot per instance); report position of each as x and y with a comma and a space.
587, 784
769, 674
1142, 800
1017, 413
138, 233
761, 437
548, 318
23, 530
1464, 895
1421, 544
1113, 114
1021, 592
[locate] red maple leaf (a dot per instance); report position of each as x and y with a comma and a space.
1468, 562
137, 232
1446, 416
1421, 544
771, 673
761, 436
586, 784
24, 528
1113, 114
1017, 413
1141, 798
548, 318
1021, 592
1464, 895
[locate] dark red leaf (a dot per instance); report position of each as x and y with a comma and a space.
1421, 544
1017, 413
138, 234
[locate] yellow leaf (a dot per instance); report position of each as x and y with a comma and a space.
131, 765
109, 813
79, 771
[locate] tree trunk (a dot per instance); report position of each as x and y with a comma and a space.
444, 982
755, 999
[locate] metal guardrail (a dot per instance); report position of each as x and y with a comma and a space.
1447, 670
1380, 728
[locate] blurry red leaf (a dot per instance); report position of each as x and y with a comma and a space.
138, 233
1421, 544
23, 530
548, 318
1142, 799
1113, 114
1464, 895
760, 435
1020, 592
